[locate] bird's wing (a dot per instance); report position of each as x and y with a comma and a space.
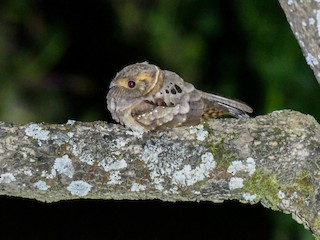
157, 115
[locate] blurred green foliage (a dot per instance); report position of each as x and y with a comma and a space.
57, 57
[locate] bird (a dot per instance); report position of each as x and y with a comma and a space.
144, 98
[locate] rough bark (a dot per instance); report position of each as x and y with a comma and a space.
272, 159
304, 20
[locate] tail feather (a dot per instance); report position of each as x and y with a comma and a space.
217, 106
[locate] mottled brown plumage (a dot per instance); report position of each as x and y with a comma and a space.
143, 97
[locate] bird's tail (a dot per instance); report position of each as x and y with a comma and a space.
216, 106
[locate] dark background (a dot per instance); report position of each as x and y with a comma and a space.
58, 57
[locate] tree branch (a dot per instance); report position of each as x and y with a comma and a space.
272, 159
304, 20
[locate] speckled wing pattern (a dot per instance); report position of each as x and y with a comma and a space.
169, 107
179, 103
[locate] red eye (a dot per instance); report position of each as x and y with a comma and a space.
131, 84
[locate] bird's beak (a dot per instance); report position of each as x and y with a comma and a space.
112, 84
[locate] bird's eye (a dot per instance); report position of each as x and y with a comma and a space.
131, 84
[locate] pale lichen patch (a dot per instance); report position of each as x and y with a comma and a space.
301, 43
281, 195
7, 178
114, 178
109, 164
157, 180
173, 190
257, 143
70, 134
172, 163
249, 197
159, 186
84, 155
71, 122
208, 158
311, 60
79, 188
64, 166
121, 142
36, 132
58, 138
41, 185
113, 166
311, 21
136, 187
235, 183
184, 176
299, 150
251, 165
27, 172
239, 166
50, 175
188, 176
201, 134
150, 156
294, 195
235, 167
87, 158
134, 133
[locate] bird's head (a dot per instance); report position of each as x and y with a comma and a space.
136, 80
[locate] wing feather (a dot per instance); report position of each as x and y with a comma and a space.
153, 115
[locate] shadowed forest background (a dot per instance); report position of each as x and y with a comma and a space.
58, 57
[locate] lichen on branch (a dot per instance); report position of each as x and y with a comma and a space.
272, 159
304, 20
